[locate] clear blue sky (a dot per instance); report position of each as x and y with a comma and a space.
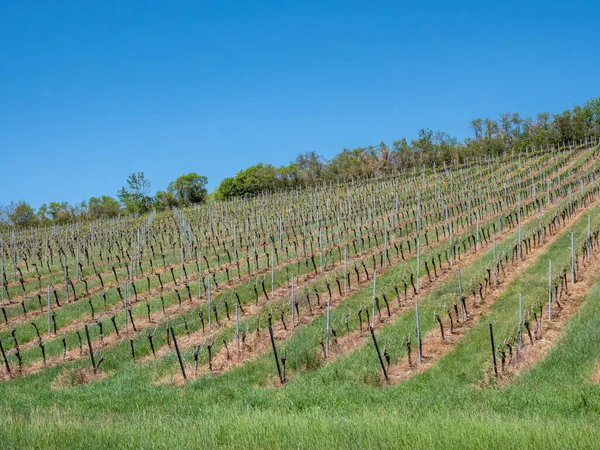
91, 91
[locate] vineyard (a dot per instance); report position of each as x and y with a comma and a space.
452, 304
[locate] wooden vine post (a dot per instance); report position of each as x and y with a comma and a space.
385, 374
493, 351
178, 354
275, 352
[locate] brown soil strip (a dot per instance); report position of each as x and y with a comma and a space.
171, 313
255, 345
169, 286
433, 348
551, 331
163, 269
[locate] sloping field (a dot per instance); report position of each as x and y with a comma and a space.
453, 306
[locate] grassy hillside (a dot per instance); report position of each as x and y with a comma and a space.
372, 248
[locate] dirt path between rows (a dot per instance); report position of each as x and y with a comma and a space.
259, 343
433, 348
551, 331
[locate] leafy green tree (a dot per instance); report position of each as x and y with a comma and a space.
164, 200
310, 168
446, 147
288, 176
136, 195
188, 189
517, 124
353, 163
59, 211
227, 188
103, 207
401, 154
593, 106
21, 214
258, 178
581, 119
43, 214
425, 142
253, 180
563, 125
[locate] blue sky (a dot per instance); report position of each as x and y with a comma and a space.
91, 91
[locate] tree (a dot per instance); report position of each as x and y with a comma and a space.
253, 180
581, 122
563, 125
425, 141
359, 162
59, 211
165, 200
384, 155
81, 210
43, 214
188, 189
20, 214
258, 178
310, 167
506, 124
593, 106
446, 147
402, 154
517, 123
227, 188
477, 127
135, 197
103, 207
288, 176
491, 129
